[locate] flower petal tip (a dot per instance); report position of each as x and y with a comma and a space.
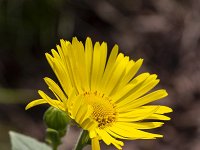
27, 107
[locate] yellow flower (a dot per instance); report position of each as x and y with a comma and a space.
102, 95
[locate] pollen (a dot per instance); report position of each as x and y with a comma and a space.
104, 112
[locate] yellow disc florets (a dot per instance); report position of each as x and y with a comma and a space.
104, 111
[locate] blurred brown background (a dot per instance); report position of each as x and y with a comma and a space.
166, 33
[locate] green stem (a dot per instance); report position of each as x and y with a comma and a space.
55, 147
82, 140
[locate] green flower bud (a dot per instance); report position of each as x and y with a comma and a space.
56, 119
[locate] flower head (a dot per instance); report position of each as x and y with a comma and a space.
102, 95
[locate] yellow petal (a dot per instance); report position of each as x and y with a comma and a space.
89, 124
35, 103
109, 66
81, 112
126, 90
95, 66
54, 103
88, 61
108, 139
113, 134
95, 144
158, 117
161, 110
132, 133
56, 89
142, 125
61, 72
127, 104
92, 133
131, 72
55, 54
136, 115
74, 69
103, 57
84, 112
116, 74
138, 92
78, 61
77, 102
60, 52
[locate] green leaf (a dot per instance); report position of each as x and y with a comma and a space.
23, 142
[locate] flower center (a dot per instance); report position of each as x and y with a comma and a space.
104, 111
